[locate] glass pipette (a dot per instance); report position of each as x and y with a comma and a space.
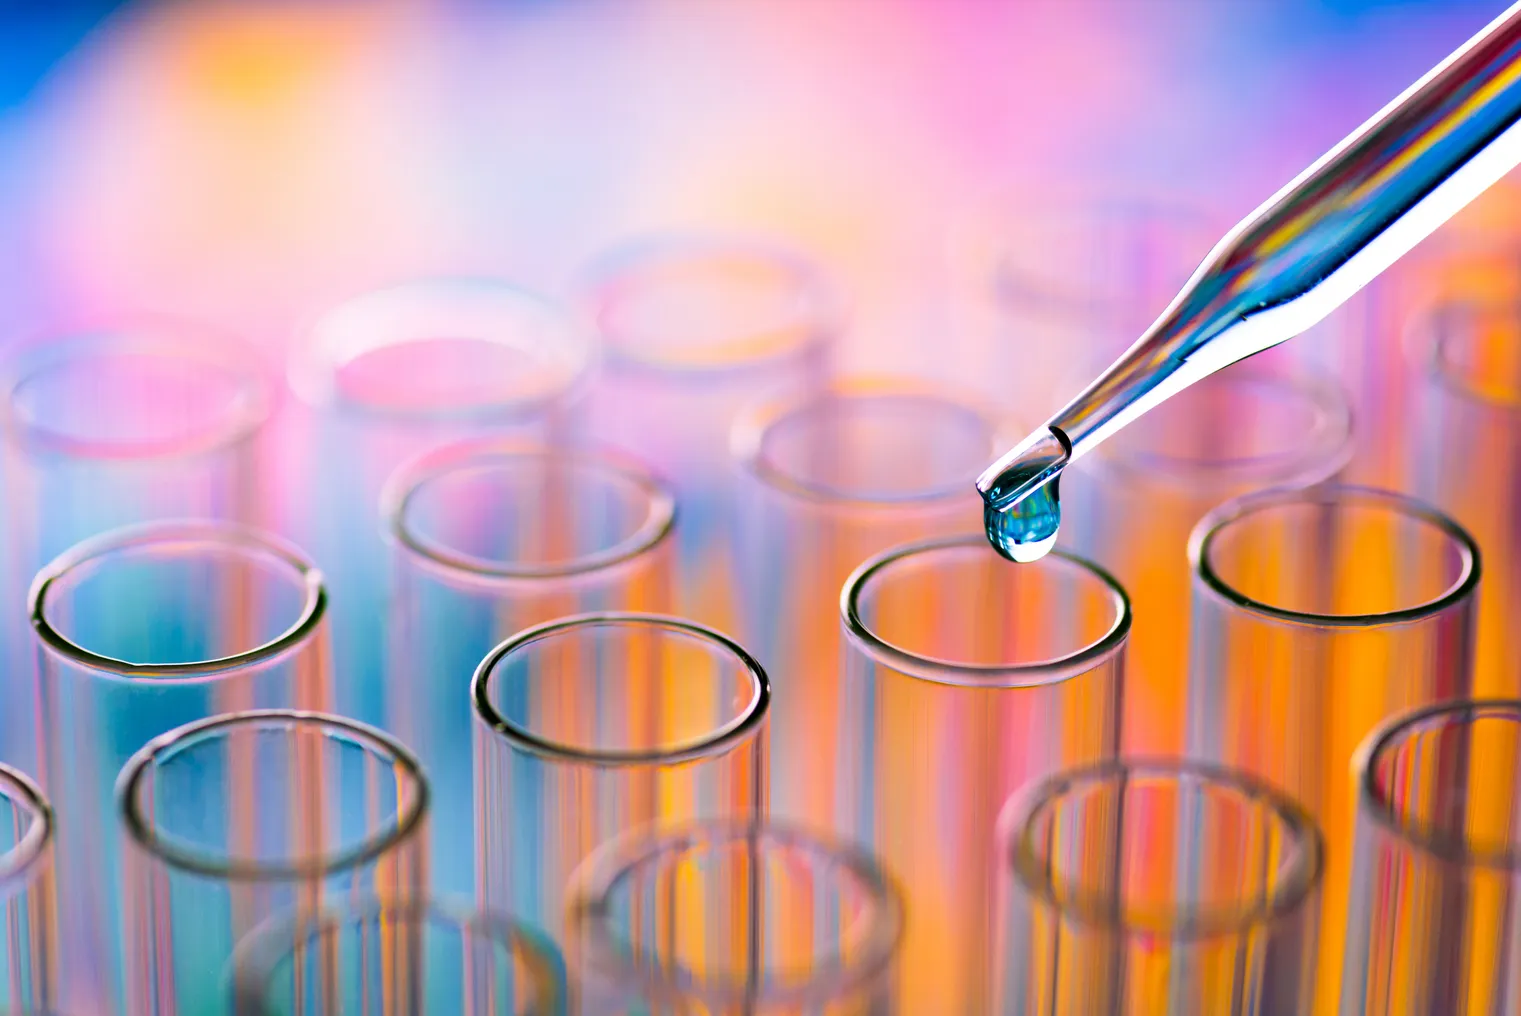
1283, 268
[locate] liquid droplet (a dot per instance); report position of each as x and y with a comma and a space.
1025, 530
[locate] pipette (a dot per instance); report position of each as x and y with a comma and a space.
1283, 268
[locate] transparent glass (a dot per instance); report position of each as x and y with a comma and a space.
590, 726
1156, 886
1318, 614
231, 820
693, 328
368, 957
28, 904
388, 375
965, 676
490, 538
831, 478
137, 632
1468, 460
148, 420
734, 917
1434, 891
1139, 495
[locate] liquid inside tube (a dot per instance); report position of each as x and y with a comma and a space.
1021, 501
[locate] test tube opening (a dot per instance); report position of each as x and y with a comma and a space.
758, 916
26, 829
428, 956
241, 597
490, 510
868, 442
153, 391
708, 303
687, 691
1473, 348
178, 796
446, 348
947, 610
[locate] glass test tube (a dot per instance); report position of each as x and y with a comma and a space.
1434, 888
592, 725
832, 478
148, 421
693, 329
139, 631
1141, 493
1156, 886
966, 676
734, 917
1318, 614
1468, 460
492, 538
28, 905
388, 375
421, 957
231, 820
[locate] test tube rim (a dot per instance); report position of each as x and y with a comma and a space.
377, 742
747, 441
312, 366
733, 733
413, 476
1430, 340
155, 337
266, 947
1207, 528
1371, 802
1327, 452
614, 861
19, 864
226, 536
816, 323
1299, 881
1036, 673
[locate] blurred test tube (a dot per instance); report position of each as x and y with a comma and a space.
734, 918
28, 904
592, 725
492, 538
1318, 614
693, 329
153, 420
419, 957
1434, 911
1468, 459
966, 676
1133, 503
231, 820
388, 375
1156, 886
138, 631
831, 478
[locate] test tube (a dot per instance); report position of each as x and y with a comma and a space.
1318, 614
388, 375
149, 420
421, 957
492, 538
734, 917
1156, 886
28, 905
966, 676
1434, 891
236, 818
1468, 459
138, 631
693, 329
1141, 493
830, 478
592, 725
